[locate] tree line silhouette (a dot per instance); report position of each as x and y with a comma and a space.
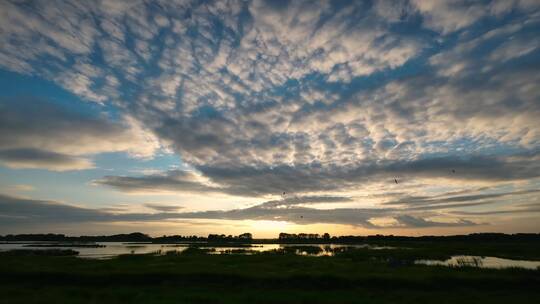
282, 238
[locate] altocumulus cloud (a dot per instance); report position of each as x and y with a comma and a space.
248, 181
264, 97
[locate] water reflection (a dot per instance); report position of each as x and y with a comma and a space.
482, 262
103, 250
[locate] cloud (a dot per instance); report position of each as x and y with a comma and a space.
497, 212
450, 16
288, 201
23, 187
513, 49
162, 207
248, 181
16, 210
39, 134
17, 189
174, 180
245, 92
451, 206
412, 221
34, 158
262, 97
440, 199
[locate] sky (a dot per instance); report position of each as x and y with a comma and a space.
198, 117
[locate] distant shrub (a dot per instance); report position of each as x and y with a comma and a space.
38, 252
197, 250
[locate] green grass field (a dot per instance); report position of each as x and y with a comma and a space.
358, 276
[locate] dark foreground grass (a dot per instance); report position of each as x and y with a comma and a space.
360, 276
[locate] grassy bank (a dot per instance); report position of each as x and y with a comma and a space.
359, 276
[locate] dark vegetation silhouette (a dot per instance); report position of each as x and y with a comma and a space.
289, 274
32, 252
353, 275
282, 238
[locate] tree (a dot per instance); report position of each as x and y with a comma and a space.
245, 236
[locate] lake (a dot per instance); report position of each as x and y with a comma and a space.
112, 249
107, 250
482, 262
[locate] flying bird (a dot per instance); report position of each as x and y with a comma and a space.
453, 171
395, 180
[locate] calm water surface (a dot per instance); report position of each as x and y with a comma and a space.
113, 249
482, 262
